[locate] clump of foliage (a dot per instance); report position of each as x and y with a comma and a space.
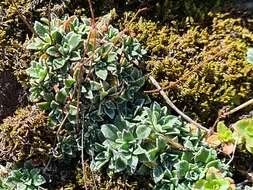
157, 145
84, 77
223, 79
243, 130
240, 133
25, 135
24, 178
84, 74
14, 31
214, 181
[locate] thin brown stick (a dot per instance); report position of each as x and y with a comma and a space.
62, 123
170, 103
238, 108
49, 21
135, 15
79, 81
91, 12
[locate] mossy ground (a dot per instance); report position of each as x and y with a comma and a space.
212, 58
176, 45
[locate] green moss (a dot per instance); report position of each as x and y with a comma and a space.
25, 135
225, 79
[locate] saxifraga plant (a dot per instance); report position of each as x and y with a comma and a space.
83, 74
84, 78
158, 145
24, 178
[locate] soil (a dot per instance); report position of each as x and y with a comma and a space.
12, 95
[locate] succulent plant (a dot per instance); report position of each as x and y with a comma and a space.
24, 178
158, 145
84, 70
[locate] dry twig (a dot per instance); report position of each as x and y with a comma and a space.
170, 103
250, 102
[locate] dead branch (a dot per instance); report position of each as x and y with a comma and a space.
238, 108
172, 105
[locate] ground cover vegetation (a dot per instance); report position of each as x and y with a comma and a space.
126, 95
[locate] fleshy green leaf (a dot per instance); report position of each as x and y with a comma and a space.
143, 132
44, 105
224, 133
69, 82
109, 131
52, 51
250, 55
61, 96
74, 41
40, 29
38, 180
101, 73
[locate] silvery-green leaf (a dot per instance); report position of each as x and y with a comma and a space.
143, 132
202, 155
109, 112
127, 136
101, 73
61, 96
95, 85
120, 164
72, 110
109, 131
74, 40
75, 56
182, 167
250, 55
36, 45
57, 37
52, 51
112, 56
38, 180
158, 174
139, 150
21, 186
58, 63
133, 163
109, 104
40, 29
